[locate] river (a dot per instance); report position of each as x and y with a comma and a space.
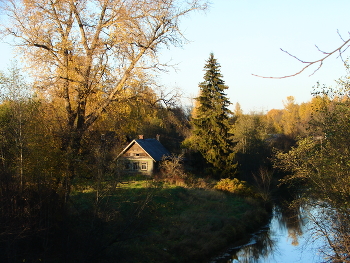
287, 238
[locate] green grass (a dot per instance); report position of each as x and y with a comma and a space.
146, 221
137, 220
176, 224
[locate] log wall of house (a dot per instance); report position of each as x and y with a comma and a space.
137, 160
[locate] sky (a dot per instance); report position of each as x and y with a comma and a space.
246, 37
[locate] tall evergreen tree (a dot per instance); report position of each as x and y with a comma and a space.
210, 120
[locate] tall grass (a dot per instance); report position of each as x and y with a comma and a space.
189, 225
149, 221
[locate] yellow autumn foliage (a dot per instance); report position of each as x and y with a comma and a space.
234, 186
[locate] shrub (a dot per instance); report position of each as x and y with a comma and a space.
234, 186
172, 170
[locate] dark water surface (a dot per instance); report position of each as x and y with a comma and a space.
288, 238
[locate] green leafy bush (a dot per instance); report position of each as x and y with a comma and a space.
234, 186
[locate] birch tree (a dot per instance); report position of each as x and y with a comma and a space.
83, 54
290, 118
15, 96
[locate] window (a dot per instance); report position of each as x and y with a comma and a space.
144, 166
127, 165
139, 154
135, 166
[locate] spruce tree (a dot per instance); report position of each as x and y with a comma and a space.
210, 120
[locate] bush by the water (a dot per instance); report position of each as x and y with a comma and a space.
234, 186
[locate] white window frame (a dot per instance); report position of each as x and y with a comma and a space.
144, 166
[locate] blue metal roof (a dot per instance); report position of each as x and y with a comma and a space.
154, 148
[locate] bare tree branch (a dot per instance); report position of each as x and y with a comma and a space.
341, 49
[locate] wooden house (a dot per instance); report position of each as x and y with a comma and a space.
143, 155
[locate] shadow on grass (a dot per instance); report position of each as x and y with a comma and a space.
157, 224
150, 223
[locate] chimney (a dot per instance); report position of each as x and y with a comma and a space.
157, 137
141, 137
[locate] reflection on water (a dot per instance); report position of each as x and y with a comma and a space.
260, 246
287, 238
291, 218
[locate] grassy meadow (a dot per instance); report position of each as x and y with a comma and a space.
155, 221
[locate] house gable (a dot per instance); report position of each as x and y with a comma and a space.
135, 151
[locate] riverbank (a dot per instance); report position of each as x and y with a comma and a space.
165, 223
